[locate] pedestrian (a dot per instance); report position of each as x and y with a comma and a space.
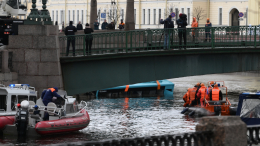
56, 23
182, 23
70, 30
111, 26
88, 39
194, 25
104, 25
207, 30
79, 26
121, 25
168, 26
215, 94
96, 25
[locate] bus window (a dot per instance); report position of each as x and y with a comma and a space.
21, 98
2, 103
32, 98
13, 102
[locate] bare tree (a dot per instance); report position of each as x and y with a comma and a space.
169, 10
114, 13
199, 13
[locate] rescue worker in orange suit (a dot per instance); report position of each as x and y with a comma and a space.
197, 98
215, 94
194, 25
202, 94
193, 96
186, 98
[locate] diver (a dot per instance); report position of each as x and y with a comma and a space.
215, 94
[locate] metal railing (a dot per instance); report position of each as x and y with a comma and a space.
253, 136
187, 139
154, 39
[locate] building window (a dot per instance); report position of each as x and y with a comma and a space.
149, 16
182, 10
77, 16
143, 16
135, 15
188, 11
73, 16
154, 16
52, 15
57, 16
171, 10
122, 11
61, 16
220, 16
160, 14
177, 13
82, 16
69, 15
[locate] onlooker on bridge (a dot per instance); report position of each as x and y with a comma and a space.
121, 25
194, 25
79, 26
208, 25
70, 30
104, 25
168, 24
88, 39
96, 25
182, 23
111, 26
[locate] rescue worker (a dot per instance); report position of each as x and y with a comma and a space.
70, 30
192, 94
215, 94
201, 95
194, 25
208, 25
186, 98
121, 25
49, 94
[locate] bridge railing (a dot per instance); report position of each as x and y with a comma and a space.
154, 39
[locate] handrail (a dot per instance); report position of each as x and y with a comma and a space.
81, 102
153, 40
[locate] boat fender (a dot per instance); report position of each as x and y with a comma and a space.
191, 113
233, 110
184, 110
217, 109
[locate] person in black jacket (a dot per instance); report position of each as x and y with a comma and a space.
70, 30
182, 23
88, 39
168, 25
79, 26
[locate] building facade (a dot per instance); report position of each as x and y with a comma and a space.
147, 13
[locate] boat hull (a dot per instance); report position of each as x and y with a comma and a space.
63, 125
6, 120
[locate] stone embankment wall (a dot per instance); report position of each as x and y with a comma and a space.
36, 56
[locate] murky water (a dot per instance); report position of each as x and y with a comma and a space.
134, 117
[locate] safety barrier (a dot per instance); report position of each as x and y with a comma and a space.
156, 39
187, 139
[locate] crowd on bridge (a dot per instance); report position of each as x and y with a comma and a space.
196, 95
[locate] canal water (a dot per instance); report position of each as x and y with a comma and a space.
143, 116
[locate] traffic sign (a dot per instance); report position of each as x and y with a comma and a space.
241, 14
173, 14
240, 19
103, 15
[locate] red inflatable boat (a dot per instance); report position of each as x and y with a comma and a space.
6, 120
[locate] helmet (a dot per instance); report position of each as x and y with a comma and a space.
36, 107
211, 82
202, 84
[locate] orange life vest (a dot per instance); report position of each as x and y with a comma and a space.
52, 89
215, 94
192, 93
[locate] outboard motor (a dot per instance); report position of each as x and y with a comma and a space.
217, 109
22, 118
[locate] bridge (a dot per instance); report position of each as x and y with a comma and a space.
38, 56
127, 57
